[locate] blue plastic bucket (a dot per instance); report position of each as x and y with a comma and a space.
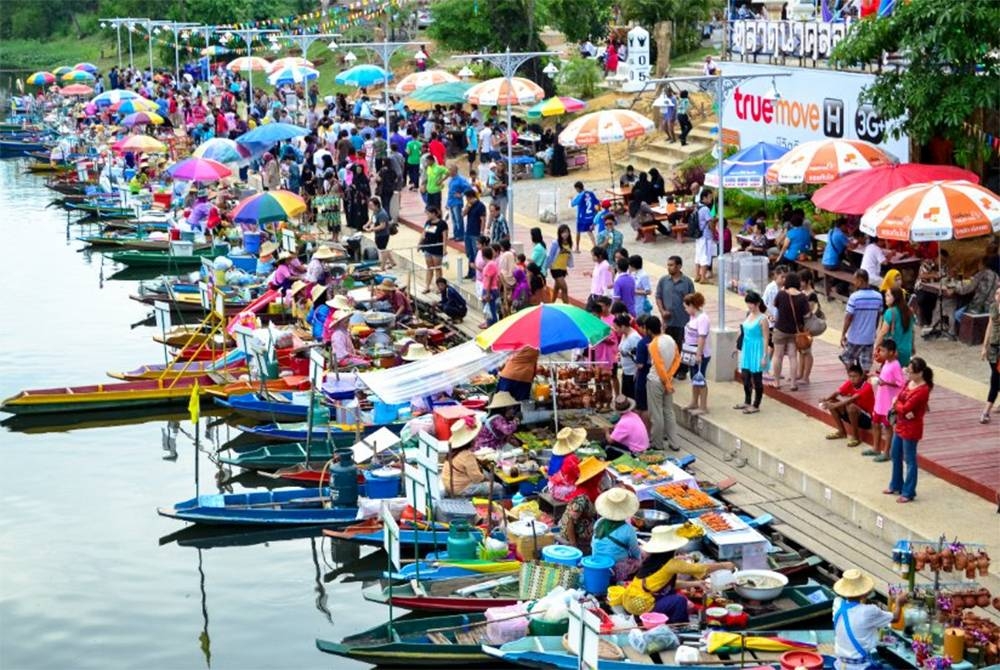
386, 413
597, 574
377, 486
251, 242
562, 555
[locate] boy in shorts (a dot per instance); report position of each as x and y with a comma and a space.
851, 406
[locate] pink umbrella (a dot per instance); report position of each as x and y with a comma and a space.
198, 169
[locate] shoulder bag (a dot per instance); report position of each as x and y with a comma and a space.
803, 340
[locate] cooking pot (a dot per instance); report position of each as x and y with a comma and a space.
745, 582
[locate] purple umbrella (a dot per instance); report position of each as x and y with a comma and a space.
198, 169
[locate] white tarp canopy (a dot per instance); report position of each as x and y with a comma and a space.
440, 372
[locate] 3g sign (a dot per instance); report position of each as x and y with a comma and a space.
868, 125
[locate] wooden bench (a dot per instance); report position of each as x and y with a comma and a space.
826, 276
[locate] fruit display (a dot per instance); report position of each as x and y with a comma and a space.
652, 457
651, 474
532, 442
686, 497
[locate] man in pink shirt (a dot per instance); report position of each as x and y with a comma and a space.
629, 434
491, 288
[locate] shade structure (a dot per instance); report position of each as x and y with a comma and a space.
822, 161
78, 76
141, 144
114, 96
199, 169
747, 167
61, 70
291, 61
249, 64
499, 91
39, 78
363, 76
548, 328
269, 133
854, 193
605, 127
269, 207
86, 67
556, 106
142, 119
76, 90
292, 74
941, 210
451, 93
133, 105
222, 150
418, 80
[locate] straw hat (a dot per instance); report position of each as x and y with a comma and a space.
341, 314
324, 253
340, 302
617, 504
285, 255
462, 433
624, 404
502, 399
590, 467
268, 249
297, 286
386, 285
853, 584
416, 352
317, 292
569, 440
664, 539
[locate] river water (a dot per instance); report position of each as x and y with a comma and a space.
84, 579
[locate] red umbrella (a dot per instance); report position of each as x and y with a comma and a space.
854, 193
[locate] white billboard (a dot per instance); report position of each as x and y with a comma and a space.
811, 105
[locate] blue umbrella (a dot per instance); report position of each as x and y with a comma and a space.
747, 167
363, 76
270, 133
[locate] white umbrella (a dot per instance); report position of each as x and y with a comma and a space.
498, 91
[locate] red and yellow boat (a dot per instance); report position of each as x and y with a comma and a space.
100, 397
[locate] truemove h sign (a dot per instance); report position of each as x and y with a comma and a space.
791, 39
811, 105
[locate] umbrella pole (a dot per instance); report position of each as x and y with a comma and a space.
611, 167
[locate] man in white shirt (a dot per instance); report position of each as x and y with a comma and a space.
771, 291
872, 259
486, 144
856, 623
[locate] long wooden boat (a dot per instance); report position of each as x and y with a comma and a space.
236, 365
283, 507
101, 211
447, 569
147, 393
193, 336
40, 167
164, 259
283, 455
10, 148
298, 432
133, 242
441, 595
371, 534
251, 405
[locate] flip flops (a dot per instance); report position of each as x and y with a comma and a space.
835, 436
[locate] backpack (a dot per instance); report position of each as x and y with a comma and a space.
693, 226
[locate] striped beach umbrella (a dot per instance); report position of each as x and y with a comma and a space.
822, 161
141, 144
86, 67
269, 207
291, 61
292, 74
941, 210
557, 106
223, 150
39, 79
249, 64
418, 80
548, 328
199, 169
76, 90
605, 127
499, 91
113, 96
363, 76
61, 70
78, 76
137, 104
142, 119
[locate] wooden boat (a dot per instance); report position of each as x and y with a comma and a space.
441, 595
283, 507
284, 455
147, 393
40, 167
101, 211
164, 259
279, 408
411, 643
19, 147
445, 569
371, 534
133, 242
201, 536
298, 432
234, 365
193, 336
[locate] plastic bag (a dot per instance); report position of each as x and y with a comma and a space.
661, 638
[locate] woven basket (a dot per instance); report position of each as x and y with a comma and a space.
538, 578
608, 651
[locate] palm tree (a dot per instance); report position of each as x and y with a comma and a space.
580, 76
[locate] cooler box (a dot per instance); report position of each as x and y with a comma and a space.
163, 199
447, 415
247, 264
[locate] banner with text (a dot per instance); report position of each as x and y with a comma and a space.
792, 39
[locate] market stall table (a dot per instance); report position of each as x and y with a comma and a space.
644, 489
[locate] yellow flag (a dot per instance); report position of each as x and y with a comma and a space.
194, 404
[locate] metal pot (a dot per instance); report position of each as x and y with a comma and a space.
380, 319
651, 518
745, 584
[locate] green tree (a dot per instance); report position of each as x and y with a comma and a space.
953, 72
686, 16
580, 76
579, 20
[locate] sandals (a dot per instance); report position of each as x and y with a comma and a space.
903, 499
793, 387
751, 410
835, 436
881, 458
870, 452
984, 418
853, 442
741, 406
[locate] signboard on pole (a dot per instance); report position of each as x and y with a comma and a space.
162, 312
288, 242
317, 366
584, 634
637, 59
206, 297
390, 539
377, 442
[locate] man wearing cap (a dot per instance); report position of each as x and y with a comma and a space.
502, 422
461, 474
856, 623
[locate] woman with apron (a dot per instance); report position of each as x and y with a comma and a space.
856, 623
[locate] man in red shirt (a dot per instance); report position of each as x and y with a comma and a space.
437, 149
851, 406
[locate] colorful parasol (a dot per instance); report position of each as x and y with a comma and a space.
822, 161
113, 96
605, 127
269, 133
747, 167
86, 67
61, 70
199, 169
291, 61
418, 80
78, 76
363, 76
222, 150
557, 106
39, 78
142, 119
498, 91
856, 192
141, 144
292, 74
249, 64
439, 94
548, 328
941, 210
137, 104
269, 207
76, 90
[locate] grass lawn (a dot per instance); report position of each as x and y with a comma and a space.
51, 53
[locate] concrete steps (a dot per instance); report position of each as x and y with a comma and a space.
666, 155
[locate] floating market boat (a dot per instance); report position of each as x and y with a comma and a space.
236, 365
101, 211
166, 259
278, 456
283, 507
148, 393
10, 148
339, 433
278, 408
44, 167
460, 594
134, 242
371, 534
448, 569
183, 336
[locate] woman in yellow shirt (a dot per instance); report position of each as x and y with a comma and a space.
559, 261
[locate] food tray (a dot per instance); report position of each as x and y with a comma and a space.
736, 524
673, 506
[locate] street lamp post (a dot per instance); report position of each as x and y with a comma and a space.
152, 25
723, 85
118, 22
248, 35
508, 62
305, 40
176, 27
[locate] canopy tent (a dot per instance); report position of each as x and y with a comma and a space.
441, 372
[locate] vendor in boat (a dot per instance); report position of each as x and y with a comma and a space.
857, 623
518, 373
387, 292
461, 473
316, 270
564, 467
284, 274
200, 212
660, 571
577, 522
316, 318
339, 337
415, 351
614, 536
629, 434
501, 423
265, 261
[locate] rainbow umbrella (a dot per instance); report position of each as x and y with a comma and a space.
141, 144
548, 328
269, 207
142, 119
249, 64
222, 150
61, 70
557, 106
78, 76
291, 61
39, 79
198, 169
86, 67
76, 89
132, 105
114, 96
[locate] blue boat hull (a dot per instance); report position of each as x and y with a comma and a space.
273, 433
11, 148
284, 507
264, 410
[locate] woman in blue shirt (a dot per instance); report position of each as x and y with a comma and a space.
797, 241
614, 536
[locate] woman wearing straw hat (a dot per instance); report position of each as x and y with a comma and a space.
461, 474
629, 434
561, 484
502, 422
577, 521
319, 311
265, 261
660, 570
284, 274
856, 623
341, 344
316, 271
416, 352
387, 291
614, 536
